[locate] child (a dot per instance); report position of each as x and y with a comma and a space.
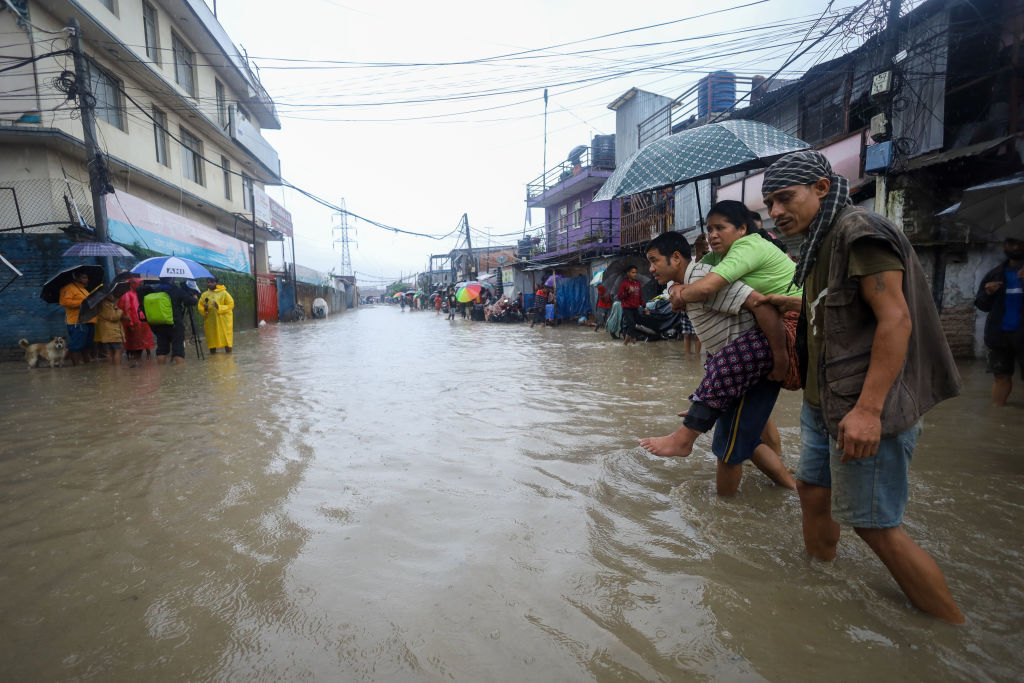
109, 330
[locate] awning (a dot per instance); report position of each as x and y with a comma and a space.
926, 160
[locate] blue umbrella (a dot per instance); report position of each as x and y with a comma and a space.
171, 266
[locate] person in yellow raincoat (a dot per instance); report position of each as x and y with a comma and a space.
216, 306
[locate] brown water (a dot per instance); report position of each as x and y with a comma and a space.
388, 496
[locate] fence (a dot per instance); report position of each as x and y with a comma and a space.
588, 233
43, 205
648, 215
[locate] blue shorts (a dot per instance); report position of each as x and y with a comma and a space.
869, 493
738, 430
80, 336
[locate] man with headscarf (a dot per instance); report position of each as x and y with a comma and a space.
874, 360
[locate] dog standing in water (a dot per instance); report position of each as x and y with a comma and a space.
55, 351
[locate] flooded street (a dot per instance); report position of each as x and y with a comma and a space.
388, 496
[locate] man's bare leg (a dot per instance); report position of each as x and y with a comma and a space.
821, 532
678, 444
770, 437
727, 479
914, 570
161, 360
769, 462
1001, 386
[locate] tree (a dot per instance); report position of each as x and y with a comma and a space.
396, 287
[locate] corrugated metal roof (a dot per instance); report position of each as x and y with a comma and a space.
926, 160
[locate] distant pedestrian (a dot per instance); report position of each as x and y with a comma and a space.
80, 335
453, 303
109, 331
1001, 295
217, 308
166, 312
137, 335
632, 299
604, 307
540, 302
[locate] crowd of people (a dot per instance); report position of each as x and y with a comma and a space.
147, 318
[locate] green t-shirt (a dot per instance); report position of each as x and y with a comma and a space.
867, 257
758, 263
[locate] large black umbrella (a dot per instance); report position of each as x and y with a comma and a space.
995, 207
615, 273
91, 306
50, 293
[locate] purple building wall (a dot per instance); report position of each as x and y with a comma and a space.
598, 225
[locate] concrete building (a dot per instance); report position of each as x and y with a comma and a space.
179, 113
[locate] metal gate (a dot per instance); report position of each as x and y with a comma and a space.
266, 305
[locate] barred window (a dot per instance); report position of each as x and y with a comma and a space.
107, 92
222, 105
191, 157
184, 65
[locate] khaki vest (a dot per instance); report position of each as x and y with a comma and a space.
929, 374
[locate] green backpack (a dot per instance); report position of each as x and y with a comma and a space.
158, 309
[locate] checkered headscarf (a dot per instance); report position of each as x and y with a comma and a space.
805, 168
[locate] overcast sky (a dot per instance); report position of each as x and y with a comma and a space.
355, 131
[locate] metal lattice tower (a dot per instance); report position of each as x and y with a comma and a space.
342, 227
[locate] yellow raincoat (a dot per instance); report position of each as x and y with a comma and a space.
219, 320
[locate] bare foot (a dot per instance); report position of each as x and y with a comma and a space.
678, 444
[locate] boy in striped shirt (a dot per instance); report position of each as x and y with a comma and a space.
729, 317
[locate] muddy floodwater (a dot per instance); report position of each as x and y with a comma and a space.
388, 496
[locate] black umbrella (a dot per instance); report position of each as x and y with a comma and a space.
50, 293
615, 273
91, 306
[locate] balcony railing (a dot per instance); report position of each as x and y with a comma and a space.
587, 234
573, 166
646, 222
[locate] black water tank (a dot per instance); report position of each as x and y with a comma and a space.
524, 246
602, 151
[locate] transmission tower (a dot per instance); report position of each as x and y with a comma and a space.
342, 227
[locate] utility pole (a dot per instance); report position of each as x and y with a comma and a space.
890, 47
99, 182
471, 272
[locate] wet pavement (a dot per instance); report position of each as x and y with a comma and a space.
390, 496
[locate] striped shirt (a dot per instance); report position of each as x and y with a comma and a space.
720, 318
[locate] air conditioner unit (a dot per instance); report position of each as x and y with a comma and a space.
880, 130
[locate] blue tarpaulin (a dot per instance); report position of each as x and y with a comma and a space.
573, 297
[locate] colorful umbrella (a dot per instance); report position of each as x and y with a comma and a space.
471, 290
550, 282
171, 266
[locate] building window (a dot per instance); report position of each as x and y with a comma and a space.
192, 157
563, 220
160, 137
149, 27
222, 106
225, 164
241, 112
110, 5
577, 213
184, 65
247, 193
107, 92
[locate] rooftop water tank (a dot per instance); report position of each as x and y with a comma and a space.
716, 92
602, 151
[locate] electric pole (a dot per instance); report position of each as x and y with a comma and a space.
342, 227
99, 181
471, 272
